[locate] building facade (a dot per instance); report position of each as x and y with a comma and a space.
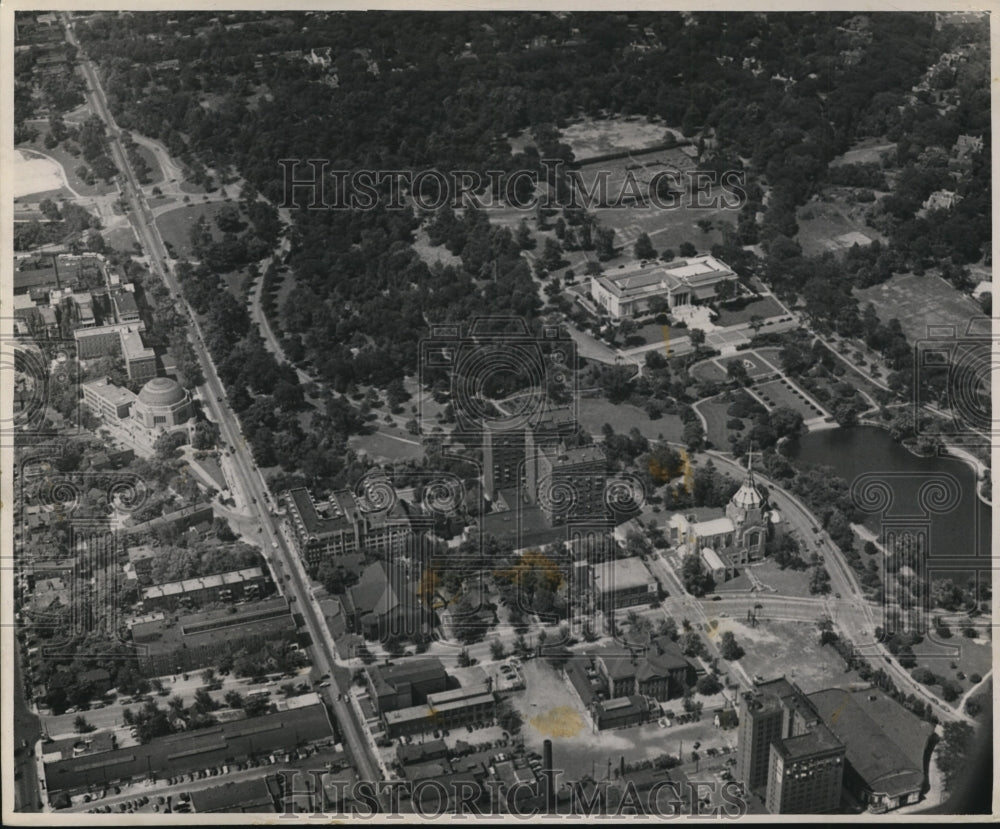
649, 286
786, 752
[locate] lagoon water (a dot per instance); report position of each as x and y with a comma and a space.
962, 531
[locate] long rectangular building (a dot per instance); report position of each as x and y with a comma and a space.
632, 291
236, 585
192, 750
198, 640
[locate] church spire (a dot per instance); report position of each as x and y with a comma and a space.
750, 481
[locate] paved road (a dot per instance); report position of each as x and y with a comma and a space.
859, 624
249, 479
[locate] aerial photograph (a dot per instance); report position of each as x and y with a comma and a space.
558, 415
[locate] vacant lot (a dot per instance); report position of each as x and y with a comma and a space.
783, 393
869, 151
918, 302
594, 412
774, 648
35, 174
785, 582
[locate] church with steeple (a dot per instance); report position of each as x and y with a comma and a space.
728, 541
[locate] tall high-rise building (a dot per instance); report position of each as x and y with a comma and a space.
786, 753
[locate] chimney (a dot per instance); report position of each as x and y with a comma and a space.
549, 778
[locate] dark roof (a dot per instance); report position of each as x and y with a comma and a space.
419, 752
339, 515
241, 796
268, 617
190, 750
871, 735
409, 672
381, 590
528, 525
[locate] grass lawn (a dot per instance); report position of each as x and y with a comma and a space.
120, 238
764, 308
155, 173
783, 393
755, 366
714, 412
832, 225
594, 412
175, 225
387, 443
69, 164
787, 582
971, 656
774, 648
919, 302
709, 371
589, 137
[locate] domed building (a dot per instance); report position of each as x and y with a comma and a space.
732, 540
162, 405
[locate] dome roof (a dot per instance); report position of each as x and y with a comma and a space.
162, 391
747, 496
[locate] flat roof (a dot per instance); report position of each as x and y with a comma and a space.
716, 526
234, 796
115, 395
652, 278
711, 558
622, 574
174, 588
440, 698
271, 616
196, 749
133, 348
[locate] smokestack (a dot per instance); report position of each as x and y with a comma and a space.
621, 765
550, 787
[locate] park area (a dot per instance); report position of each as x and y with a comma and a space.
175, 226
763, 308
781, 392
919, 302
833, 224
716, 431
594, 412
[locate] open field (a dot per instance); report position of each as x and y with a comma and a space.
388, 443
709, 371
714, 412
175, 225
968, 655
763, 308
69, 164
918, 302
590, 137
774, 648
595, 412
666, 228
33, 174
783, 393
833, 225
787, 582
120, 238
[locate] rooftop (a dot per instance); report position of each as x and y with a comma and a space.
186, 751
234, 796
160, 391
652, 278
176, 588
873, 735
192, 630
622, 574
115, 395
